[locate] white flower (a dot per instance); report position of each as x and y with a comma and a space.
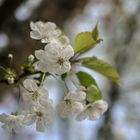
12, 123
93, 110
39, 115
44, 31
55, 58
35, 94
72, 104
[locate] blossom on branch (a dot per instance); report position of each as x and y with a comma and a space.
40, 115
36, 95
55, 58
44, 31
12, 123
93, 110
72, 104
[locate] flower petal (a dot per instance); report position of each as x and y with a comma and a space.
3, 117
40, 54
29, 119
42, 67
81, 116
35, 35
68, 52
30, 85
40, 125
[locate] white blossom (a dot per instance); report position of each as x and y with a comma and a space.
44, 31
39, 115
72, 104
12, 123
93, 110
55, 58
35, 95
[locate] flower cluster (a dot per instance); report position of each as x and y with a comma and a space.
75, 105
57, 52
56, 58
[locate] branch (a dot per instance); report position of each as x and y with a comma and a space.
7, 9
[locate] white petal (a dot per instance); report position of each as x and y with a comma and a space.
96, 109
47, 104
7, 128
52, 68
36, 25
77, 107
81, 116
40, 125
3, 117
35, 35
94, 114
64, 39
68, 52
50, 26
40, 54
63, 68
66, 66
29, 119
30, 85
53, 48
42, 67
63, 109
43, 91
32, 25
101, 105
45, 40
79, 96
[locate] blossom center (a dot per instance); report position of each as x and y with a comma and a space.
60, 61
39, 114
35, 95
68, 102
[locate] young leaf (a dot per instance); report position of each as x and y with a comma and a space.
84, 42
101, 67
85, 79
95, 33
93, 94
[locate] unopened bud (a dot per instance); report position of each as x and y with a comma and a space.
31, 58
10, 56
11, 80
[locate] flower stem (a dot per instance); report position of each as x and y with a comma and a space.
43, 78
1, 67
63, 83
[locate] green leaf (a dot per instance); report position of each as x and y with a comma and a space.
84, 42
92, 89
95, 33
85, 79
101, 67
93, 94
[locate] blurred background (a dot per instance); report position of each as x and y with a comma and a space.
119, 26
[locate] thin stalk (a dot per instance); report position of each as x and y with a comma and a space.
63, 83
1, 67
43, 78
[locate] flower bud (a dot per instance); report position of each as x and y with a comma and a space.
11, 80
10, 56
31, 58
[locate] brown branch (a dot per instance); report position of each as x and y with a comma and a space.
7, 9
